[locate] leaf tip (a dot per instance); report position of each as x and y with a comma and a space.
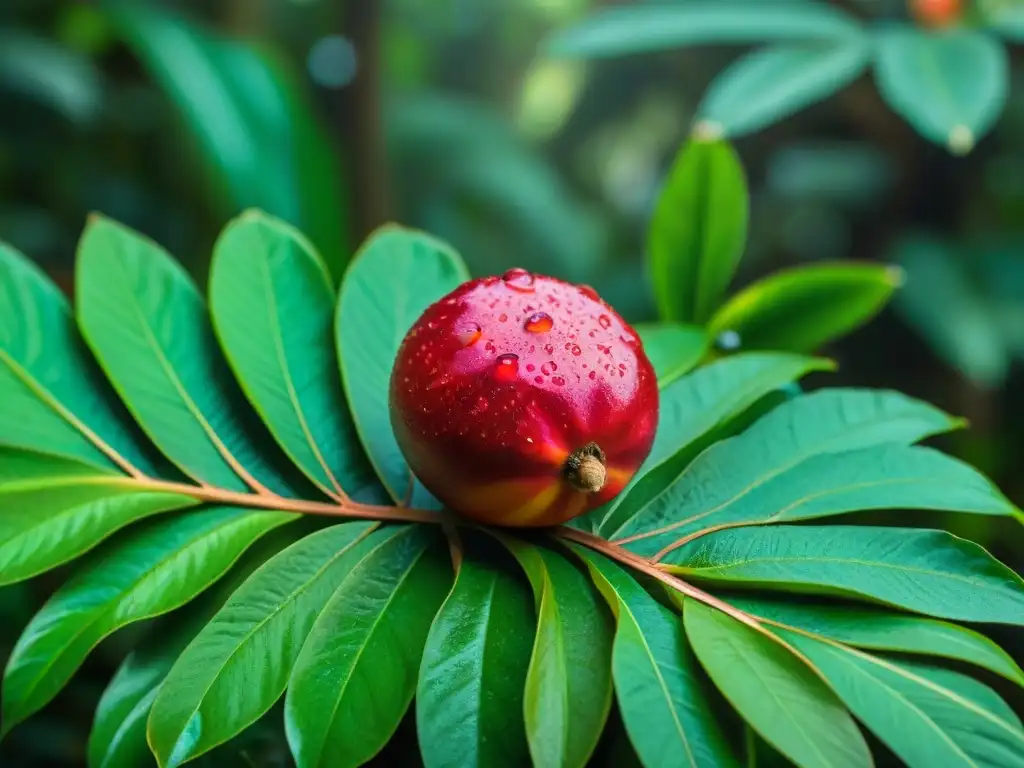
708, 131
960, 140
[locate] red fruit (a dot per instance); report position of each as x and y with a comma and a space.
935, 13
523, 400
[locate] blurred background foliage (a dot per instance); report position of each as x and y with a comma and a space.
452, 116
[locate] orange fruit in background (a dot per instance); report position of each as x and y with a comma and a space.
935, 13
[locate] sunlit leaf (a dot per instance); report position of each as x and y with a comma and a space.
698, 231
802, 308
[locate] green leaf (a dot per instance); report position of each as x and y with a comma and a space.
888, 476
22, 470
147, 324
272, 307
690, 411
357, 672
950, 85
469, 701
1006, 19
774, 82
829, 421
930, 572
155, 570
673, 349
118, 736
652, 27
569, 683
698, 231
882, 630
925, 722
661, 697
59, 520
48, 379
252, 644
802, 308
781, 698
251, 119
396, 275
938, 287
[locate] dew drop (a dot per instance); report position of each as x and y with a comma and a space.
549, 348
519, 280
589, 292
539, 322
506, 367
539, 379
627, 338
592, 375
576, 351
546, 369
605, 322
558, 381
469, 335
489, 346
530, 368
728, 341
502, 317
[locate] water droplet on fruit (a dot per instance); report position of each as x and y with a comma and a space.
605, 322
530, 367
549, 348
558, 381
539, 322
589, 292
506, 367
502, 317
549, 367
728, 341
519, 280
489, 346
539, 379
576, 351
592, 375
469, 335
627, 338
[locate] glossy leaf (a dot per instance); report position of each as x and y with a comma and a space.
907, 705
781, 698
673, 349
939, 287
272, 307
569, 683
824, 422
774, 82
802, 308
660, 694
55, 399
396, 275
887, 476
698, 231
689, 412
357, 672
59, 520
153, 571
950, 85
147, 324
637, 29
930, 572
882, 630
469, 700
251, 119
251, 644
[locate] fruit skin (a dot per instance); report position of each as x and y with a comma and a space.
935, 13
502, 388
